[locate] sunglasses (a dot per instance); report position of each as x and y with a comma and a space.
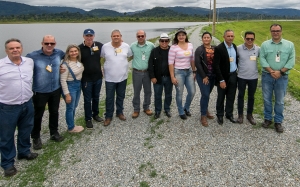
166, 41
275, 30
250, 39
140, 36
46, 43
92, 52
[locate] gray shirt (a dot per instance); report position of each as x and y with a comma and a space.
247, 66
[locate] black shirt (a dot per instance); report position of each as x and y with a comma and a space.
165, 63
90, 58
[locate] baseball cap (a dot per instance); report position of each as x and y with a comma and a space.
181, 30
88, 31
164, 36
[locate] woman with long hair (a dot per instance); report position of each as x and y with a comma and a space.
182, 71
71, 83
205, 76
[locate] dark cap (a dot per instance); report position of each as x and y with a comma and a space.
181, 30
88, 32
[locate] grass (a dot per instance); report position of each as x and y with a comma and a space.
144, 184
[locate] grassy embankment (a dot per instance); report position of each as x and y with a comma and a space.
261, 29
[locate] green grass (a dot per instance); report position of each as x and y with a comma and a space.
129, 79
144, 184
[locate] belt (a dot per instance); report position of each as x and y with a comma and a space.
234, 72
185, 69
165, 76
139, 70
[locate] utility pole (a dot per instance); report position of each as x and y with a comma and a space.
214, 19
209, 13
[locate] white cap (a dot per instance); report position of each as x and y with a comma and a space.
164, 36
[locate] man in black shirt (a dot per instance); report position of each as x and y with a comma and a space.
91, 81
158, 69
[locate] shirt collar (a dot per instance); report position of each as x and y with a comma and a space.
8, 61
278, 42
227, 45
246, 48
42, 52
145, 44
83, 43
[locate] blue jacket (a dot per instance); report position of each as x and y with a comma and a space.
43, 80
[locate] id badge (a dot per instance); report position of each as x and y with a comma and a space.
230, 59
143, 57
277, 58
78, 64
118, 50
187, 53
49, 68
95, 48
253, 58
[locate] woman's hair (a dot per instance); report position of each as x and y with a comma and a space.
67, 56
206, 33
175, 40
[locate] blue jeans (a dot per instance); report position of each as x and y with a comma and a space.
205, 92
74, 89
252, 84
111, 88
184, 78
91, 94
167, 85
278, 86
12, 116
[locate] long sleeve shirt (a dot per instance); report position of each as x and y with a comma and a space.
77, 69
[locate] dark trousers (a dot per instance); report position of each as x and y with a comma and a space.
39, 101
112, 89
12, 116
167, 86
252, 84
229, 93
91, 95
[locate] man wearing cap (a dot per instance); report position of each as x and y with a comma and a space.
46, 88
141, 50
91, 81
16, 109
158, 69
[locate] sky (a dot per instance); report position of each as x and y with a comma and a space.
136, 5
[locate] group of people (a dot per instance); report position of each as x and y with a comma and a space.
28, 83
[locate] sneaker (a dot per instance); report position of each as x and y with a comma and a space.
156, 115
97, 118
10, 171
278, 127
266, 123
76, 129
183, 116
187, 113
89, 124
37, 143
57, 137
168, 114
30, 156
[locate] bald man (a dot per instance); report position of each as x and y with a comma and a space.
46, 88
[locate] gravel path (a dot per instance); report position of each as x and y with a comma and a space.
173, 152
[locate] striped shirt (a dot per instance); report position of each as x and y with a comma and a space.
181, 59
77, 69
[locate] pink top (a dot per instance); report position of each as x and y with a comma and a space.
181, 58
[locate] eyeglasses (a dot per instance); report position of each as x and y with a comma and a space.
140, 36
92, 52
166, 41
275, 31
116, 53
46, 43
249, 39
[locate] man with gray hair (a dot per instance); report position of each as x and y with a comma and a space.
16, 109
46, 88
141, 50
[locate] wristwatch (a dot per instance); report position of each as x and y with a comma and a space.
282, 73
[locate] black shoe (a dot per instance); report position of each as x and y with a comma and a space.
10, 171
89, 124
97, 118
220, 120
266, 123
231, 119
56, 137
278, 127
30, 156
37, 144
156, 115
168, 114
187, 112
183, 116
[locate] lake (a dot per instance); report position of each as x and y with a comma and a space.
71, 33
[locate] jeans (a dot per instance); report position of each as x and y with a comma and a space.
278, 86
140, 79
184, 77
91, 95
229, 92
39, 101
205, 92
167, 85
12, 116
112, 88
252, 84
74, 89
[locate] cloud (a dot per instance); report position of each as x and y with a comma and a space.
135, 5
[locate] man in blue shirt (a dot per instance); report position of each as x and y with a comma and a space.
46, 88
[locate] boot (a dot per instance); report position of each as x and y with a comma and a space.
204, 121
251, 119
240, 119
